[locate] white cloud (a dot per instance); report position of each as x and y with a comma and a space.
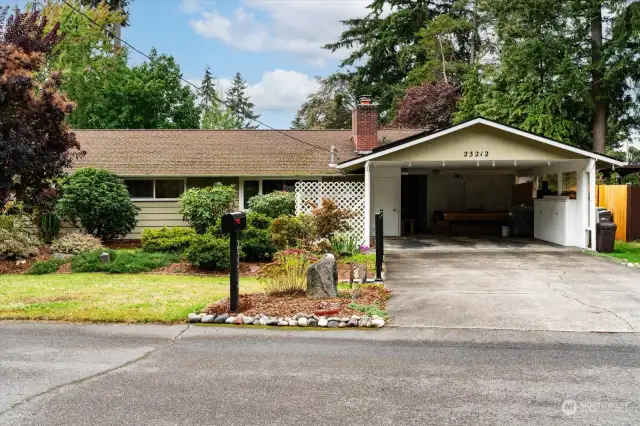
293, 26
278, 90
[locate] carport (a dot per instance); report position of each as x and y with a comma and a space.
479, 171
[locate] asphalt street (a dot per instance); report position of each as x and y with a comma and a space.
65, 374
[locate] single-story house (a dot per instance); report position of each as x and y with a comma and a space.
416, 177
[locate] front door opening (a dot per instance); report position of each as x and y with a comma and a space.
414, 213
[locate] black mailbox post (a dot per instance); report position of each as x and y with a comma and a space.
379, 244
233, 223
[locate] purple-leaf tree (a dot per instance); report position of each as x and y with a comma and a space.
428, 106
35, 143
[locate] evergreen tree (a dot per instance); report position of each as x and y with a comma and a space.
215, 116
240, 105
386, 46
328, 108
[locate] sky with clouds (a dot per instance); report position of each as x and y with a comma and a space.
275, 44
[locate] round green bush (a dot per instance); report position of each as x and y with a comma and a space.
202, 207
98, 201
256, 244
274, 204
258, 220
208, 251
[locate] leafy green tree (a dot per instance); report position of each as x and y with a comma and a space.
553, 78
472, 96
215, 116
85, 56
240, 104
36, 145
98, 201
146, 96
119, 6
328, 108
537, 84
385, 47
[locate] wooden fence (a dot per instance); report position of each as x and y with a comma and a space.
624, 203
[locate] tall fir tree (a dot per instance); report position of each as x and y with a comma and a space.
240, 104
215, 116
387, 45
328, 108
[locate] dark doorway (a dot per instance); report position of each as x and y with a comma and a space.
414, 204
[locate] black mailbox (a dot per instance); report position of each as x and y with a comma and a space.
234, 222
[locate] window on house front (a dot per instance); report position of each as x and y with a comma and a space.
169, 188
269, 186
140, 188
204, 181
250, 188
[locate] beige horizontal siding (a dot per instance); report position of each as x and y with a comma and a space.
153, 215
156, 215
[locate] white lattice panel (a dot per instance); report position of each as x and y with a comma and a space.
347, 195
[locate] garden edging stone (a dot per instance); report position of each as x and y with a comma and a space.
298, 320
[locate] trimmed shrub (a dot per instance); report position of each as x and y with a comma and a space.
18, 244
288, 273
98, 201
258, 220
208, 251
46, 266
122, 261
175, 240
274, 204
76, 243
202, 207
256, 244
292, 231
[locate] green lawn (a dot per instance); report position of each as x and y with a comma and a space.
629, 252
111, 298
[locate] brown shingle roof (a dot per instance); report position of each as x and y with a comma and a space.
218, 152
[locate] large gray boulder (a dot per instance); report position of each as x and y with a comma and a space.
322, 277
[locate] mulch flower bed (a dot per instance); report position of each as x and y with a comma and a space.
286, 305
22, 266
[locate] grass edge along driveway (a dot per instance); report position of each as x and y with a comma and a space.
625, 252
99, 297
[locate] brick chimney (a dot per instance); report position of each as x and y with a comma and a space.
364, 125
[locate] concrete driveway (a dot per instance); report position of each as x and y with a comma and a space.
508, 284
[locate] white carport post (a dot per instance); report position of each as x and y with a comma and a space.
593, 213
367, 204
586, 189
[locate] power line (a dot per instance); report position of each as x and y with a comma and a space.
245, 115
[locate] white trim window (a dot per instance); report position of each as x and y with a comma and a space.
166, 189
251, 186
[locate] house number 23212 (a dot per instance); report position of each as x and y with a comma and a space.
476, 153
